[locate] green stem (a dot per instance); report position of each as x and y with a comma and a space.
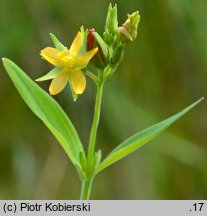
94, 128
86, 189
87, 183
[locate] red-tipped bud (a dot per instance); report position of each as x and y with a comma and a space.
90, 38
101, 59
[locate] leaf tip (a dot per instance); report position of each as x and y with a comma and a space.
75, 99
4, 59
37, 80
201, 99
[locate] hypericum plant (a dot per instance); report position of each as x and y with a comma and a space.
70, 66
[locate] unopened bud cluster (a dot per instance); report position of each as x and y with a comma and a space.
115, 37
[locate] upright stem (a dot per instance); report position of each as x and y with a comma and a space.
87, 183
86, 189
94, 128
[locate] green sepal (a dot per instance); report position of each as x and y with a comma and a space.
118, 55
111, 25
74, 95
57, 43
111, 19
124, 35
128, 31
84, 42
101, 58
51, 74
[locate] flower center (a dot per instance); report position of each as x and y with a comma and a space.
67, 57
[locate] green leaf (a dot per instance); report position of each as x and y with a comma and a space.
56, 42
48, 110
139, 139
50, 75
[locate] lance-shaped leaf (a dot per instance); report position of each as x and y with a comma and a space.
48, 110
139, 139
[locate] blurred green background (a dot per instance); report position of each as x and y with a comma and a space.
164, 70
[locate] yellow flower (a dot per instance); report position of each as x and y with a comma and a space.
70, 62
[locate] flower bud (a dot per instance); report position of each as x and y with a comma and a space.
101, 58
128, 30
111, 25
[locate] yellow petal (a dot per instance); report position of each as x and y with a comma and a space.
51, 55
59, 83
86, 57
78, 81
76, 45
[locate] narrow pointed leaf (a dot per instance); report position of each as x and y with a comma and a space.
50, 75
48, 110
136, 141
